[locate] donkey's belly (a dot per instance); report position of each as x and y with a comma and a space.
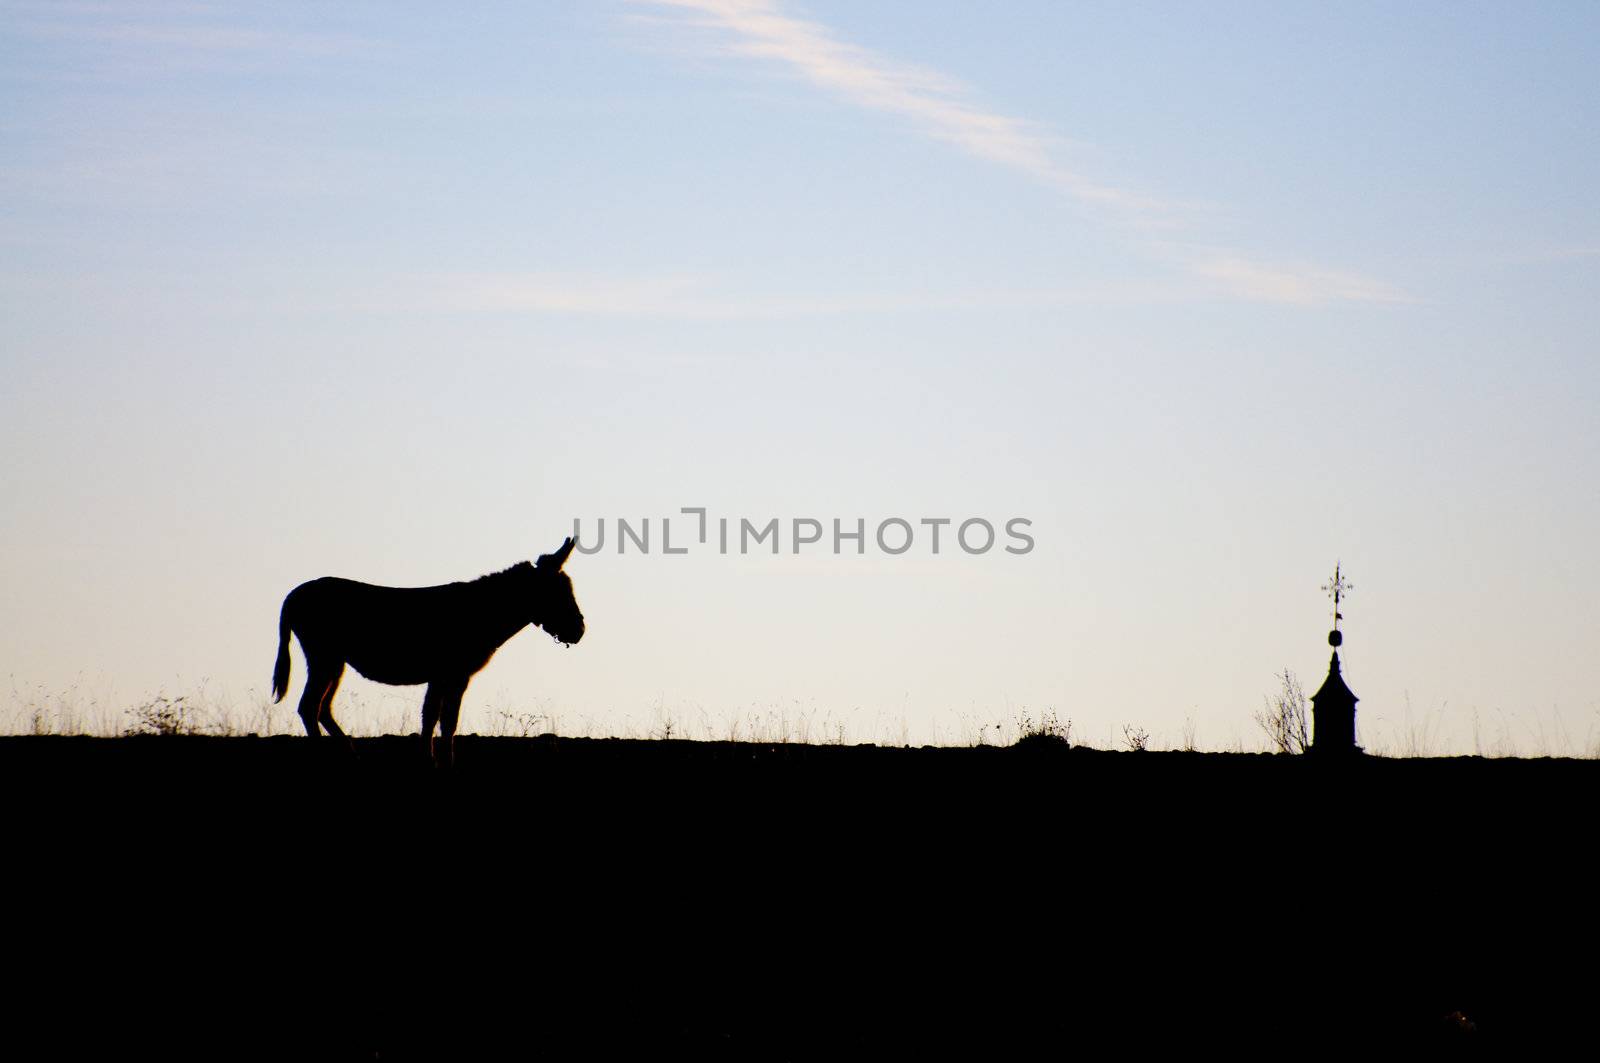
401, 655
394, 673
407, 662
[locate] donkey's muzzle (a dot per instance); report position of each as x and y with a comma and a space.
571, 634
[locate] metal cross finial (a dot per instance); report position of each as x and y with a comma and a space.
1337, 589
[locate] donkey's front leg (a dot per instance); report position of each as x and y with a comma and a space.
430, 718
449, 710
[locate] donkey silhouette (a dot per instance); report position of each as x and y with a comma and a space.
407, 636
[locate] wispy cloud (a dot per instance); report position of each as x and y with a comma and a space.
174, 27
1568, 253
558, 293
944, 109
939, 105
704, 298
1303, 285
700, 298
207, 38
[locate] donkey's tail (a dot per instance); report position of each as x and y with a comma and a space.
280, 670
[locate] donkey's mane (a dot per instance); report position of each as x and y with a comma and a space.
516, 569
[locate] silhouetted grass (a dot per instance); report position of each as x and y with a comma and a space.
78, 711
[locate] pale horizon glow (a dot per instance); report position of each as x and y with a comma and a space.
1215, 296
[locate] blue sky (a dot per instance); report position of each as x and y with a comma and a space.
1213, 294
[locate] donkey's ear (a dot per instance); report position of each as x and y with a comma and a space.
557, 559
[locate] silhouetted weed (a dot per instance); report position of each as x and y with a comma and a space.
1048, 733
165, 716
1285, 718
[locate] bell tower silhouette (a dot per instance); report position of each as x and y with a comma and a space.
1333, 706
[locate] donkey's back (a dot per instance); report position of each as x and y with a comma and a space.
396, 635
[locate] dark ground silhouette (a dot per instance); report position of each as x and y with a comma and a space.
271, 896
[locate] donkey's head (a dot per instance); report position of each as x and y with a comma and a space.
554, 607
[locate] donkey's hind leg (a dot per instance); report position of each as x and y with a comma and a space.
311, 700
322, 679
325, 715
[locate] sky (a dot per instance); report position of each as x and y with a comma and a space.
1213, 296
